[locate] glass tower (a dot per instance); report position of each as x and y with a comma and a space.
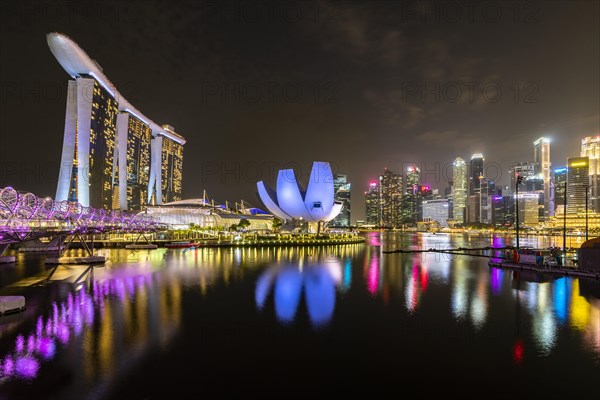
459, 190
590, 147
578, 180
341, 189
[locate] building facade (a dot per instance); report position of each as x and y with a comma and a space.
475, 173
373, 204
342, 187
590, 148
437, 210
390, 187
541, 159
578, 181
459, 190
560, 189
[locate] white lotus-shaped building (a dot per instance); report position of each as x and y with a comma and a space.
290, 201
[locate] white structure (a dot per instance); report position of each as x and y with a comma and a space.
590, 148
93, 134
316, 204
182, 214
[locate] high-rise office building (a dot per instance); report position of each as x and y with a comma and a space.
487, 188
541, 158
113, 156
529, 215
560, 180
373, 204
475, 173
390, 186
341, 188
590, 148
411, 205
436, 210
578, 180
459, 190
524, 169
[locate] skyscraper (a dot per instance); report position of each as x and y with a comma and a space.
590, 147
133, 160
523, 169
341, 188
560, 179
578, 180
487, 190
411, 199
436, 210
390, 186
541, 158
112, 156
476, 173
459, 189
373, 204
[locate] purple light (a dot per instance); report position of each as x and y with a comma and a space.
46, 347
27, 367
62, 332
20, 343
30, 344
9, 366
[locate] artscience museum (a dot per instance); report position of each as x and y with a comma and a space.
290, 201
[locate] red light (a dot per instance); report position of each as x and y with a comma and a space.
518, 351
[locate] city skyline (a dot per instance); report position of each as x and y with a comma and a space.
358, 122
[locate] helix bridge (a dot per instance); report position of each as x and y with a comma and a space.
25, 216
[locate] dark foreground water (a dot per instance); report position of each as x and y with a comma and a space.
298, 322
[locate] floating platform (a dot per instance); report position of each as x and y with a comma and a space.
7, 259
76, 260
569, 271
11, 304
148, 246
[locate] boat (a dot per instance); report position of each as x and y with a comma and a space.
179, 245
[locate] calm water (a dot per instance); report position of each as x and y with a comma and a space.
297, 322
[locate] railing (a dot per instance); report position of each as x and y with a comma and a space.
25, 212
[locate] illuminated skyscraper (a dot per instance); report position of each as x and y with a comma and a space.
390, 187
541, 158
113, 156
171, 168
87, 161
459, 190
560, 178
475, 173
412, 199
578, 180
341, 187
373, 204
133, 149
523, 169
590, 147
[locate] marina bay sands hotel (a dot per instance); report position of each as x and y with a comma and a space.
113, 156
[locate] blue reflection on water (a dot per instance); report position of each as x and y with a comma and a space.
319, 281
562, 288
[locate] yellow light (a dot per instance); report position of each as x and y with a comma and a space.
578, 164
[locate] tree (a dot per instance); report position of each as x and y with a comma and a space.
277, 223
243, 224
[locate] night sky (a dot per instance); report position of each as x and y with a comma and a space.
258, 86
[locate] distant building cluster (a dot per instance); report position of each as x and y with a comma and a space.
541, 193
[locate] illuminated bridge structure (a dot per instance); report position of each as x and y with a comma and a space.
24, 217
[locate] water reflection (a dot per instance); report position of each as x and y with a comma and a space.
318, 279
